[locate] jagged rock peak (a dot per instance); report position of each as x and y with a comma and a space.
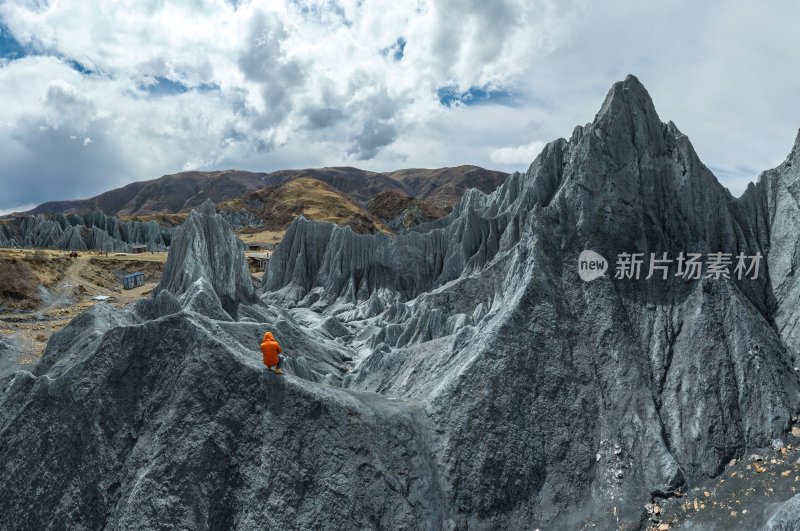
206, 247
208, 208
629, 92
795, 152
628, 107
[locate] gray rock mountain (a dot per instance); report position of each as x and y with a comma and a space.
491, 294
460, 375
207, 248
93, 230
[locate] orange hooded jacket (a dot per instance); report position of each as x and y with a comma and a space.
270, 350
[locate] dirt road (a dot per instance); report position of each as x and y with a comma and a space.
66, 291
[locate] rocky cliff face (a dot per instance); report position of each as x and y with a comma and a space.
460, 375
90, 231
207, 250
774, 199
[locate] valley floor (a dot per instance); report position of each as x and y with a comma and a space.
66, 287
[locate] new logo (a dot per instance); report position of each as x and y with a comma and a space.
591, 265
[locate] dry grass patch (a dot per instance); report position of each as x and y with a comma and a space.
17, 280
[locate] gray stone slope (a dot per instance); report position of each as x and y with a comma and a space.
193, 433
775, 199
785, 516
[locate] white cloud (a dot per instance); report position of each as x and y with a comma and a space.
18, 208
511, 156
299, 83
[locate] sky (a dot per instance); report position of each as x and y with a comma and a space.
94, 94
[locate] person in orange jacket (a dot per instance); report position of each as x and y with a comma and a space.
270, 349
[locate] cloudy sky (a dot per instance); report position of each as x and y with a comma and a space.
97, 94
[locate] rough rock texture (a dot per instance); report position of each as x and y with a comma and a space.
8, 355
206, 247
93, 230
192, 433
786, 516
612, 391
457, 376
774, 199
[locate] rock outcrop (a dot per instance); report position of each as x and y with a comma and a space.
786, 516
775, 200
8, 354
206, 247
90, 231
460, 375
140, 423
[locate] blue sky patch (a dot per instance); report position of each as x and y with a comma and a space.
396, 50
206, 87
10, 48
399, 48
448, 96
167, 87
735, 178
75, 65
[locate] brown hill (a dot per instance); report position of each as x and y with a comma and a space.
179, 193
170, 194
397, 210
443, 187
109, 202
184, 191
362, 185
278, 205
